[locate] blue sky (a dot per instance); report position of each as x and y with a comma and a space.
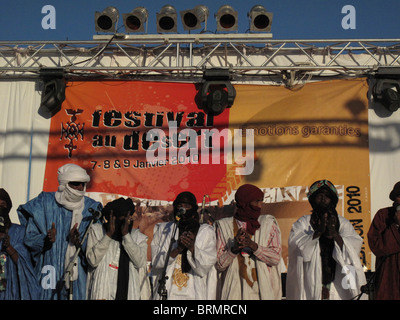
293, 19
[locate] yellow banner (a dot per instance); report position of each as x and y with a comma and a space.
317, 132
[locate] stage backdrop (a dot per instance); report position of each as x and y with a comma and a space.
319, 131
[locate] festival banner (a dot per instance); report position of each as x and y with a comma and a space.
150, 141
103, 127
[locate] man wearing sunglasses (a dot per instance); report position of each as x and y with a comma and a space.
55, 223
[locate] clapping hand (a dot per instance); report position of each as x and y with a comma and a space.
127, 222
111, 225
51, 233
242, 240
330, 231
187, 239
74, 236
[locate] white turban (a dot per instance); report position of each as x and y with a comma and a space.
73, 200
71, 172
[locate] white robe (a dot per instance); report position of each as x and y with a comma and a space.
269, 282
103, 256
304, 265
197, 284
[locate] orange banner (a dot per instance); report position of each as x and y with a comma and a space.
104, 127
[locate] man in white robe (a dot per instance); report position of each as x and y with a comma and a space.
324, 248
249, 251
106, 245
190, 268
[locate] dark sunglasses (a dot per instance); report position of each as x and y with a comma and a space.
76, 183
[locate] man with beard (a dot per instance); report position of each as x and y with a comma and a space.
324, 250
54, 224
117, 254
190, 267
17, 278
384, 241
249, 250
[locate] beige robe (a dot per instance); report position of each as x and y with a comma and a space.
231, 286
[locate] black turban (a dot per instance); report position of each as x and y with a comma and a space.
5, 196
119, 207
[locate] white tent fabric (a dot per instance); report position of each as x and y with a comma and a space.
384, 150
23, 141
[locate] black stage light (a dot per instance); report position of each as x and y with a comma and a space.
135, 20
53, 93
386, 88
260, 19
106, 21
227, 19
167, 19
387, 92
192, 19
217, 92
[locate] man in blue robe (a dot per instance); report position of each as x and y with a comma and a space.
55, 224
17, 277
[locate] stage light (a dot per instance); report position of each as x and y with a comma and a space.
217, 93
135, 20
387, 92
53, 93
260, 19
192, 19
227, 19
391, 98
167, 19
106, 21
386, 87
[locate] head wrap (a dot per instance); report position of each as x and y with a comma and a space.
323, 184
71, 172
190, 220
245, 211
4, 225
316, 188
66, 196
395, 192
73, 200
186, 197
6, 197
120, 208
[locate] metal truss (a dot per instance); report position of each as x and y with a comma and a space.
255, 57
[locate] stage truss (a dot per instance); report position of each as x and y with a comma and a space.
249, 57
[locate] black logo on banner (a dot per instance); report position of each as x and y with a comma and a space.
72, 130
